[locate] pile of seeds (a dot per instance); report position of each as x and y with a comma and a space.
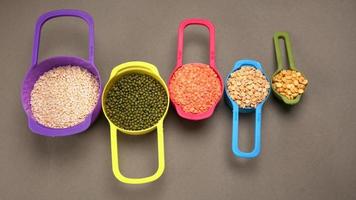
136, 101
248, 87
195, 87
64, 96
289, 83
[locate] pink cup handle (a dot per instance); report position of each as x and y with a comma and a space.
202, 22
61, 13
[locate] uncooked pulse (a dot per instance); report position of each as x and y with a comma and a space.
289, 83
195, 87
136, 101
64, 96
248, 87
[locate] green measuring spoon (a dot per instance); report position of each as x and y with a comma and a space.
291, 62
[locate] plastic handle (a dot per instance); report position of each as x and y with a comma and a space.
202, 22
62, 13
288, 45
235, 133
131, 65
115, 158
248, 62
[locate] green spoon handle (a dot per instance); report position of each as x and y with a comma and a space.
288, 45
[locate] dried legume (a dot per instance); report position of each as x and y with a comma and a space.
136, 101
64, 96
248, 87
289, 83
195, 87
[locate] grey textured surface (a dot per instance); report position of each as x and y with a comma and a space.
308, 151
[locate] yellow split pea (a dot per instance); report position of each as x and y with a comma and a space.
289, 83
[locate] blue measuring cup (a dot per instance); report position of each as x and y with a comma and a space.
236, 110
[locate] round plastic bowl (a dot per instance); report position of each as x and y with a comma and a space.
116, 73
236, 110
37, 69
182, 26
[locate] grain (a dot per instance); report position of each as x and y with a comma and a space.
64, 96
289, 83
195, 88
248, 87
135, 101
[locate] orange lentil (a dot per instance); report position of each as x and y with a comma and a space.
195, 87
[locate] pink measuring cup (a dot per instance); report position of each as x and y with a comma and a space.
185, 23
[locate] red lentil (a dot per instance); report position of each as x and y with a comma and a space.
195, 87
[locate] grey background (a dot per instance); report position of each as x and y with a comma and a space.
308, 151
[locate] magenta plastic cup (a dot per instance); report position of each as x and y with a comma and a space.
38, 68
185, 23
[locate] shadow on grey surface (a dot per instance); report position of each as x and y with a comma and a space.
246, 165
241, 165
61, 148
187, 125
287, 110
142, 191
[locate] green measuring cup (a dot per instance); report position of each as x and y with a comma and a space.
291, 62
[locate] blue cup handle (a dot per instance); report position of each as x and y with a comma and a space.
235, 133
243, 62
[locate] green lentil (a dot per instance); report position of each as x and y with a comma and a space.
136, 101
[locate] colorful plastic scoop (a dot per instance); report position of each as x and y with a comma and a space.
236, 110
38, 68
288, 46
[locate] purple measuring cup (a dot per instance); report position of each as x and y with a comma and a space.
37, 69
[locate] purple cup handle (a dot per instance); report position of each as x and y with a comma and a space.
62, 13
